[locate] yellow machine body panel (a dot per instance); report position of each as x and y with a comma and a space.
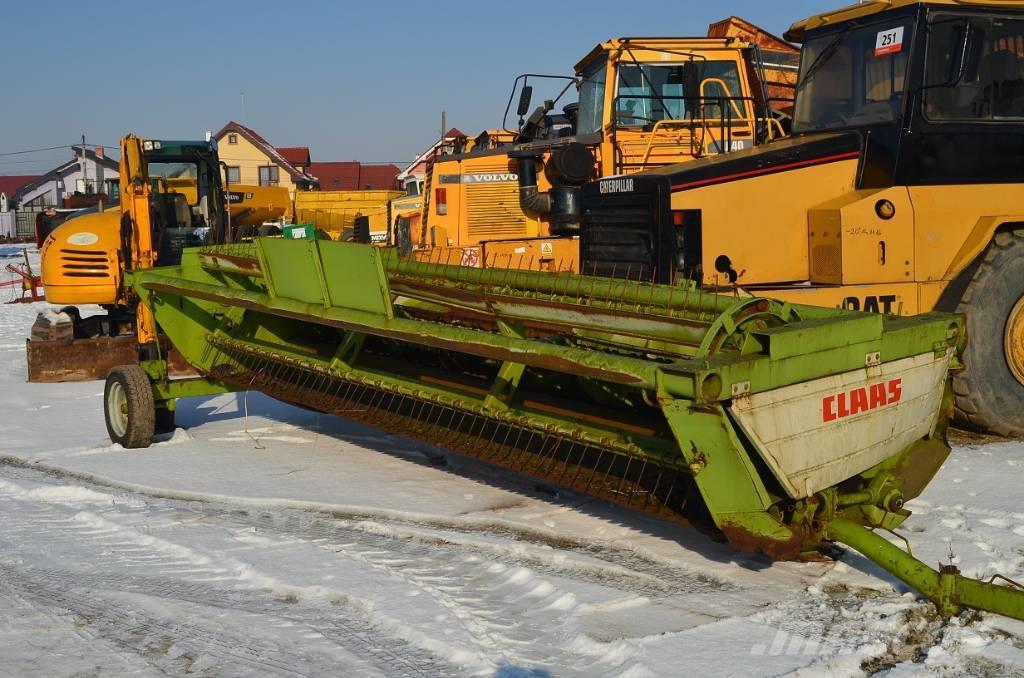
82, 259
335, 212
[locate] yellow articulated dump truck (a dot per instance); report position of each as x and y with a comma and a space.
84, 258
510, 198
900, 191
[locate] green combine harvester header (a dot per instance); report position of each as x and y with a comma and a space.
780, 426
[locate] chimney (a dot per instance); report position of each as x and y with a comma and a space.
99, 152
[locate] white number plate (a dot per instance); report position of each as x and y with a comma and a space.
889, 42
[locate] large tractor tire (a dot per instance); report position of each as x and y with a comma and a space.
990, 389
128, 407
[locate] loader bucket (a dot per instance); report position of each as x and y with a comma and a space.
88, 359
772, 420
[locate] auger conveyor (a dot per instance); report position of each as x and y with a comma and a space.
781, 426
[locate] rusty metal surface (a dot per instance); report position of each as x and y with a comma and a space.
89, 359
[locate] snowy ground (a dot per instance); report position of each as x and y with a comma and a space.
290, 543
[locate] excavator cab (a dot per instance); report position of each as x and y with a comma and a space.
186, 200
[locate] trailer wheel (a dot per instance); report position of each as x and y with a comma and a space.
990, 389
128, 407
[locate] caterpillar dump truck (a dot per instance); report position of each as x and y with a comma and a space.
172, 198
510, 198
900, 191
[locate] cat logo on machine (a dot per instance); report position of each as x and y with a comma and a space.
863, 399
877, 304
619, 185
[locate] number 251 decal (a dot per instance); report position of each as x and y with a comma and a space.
889, 42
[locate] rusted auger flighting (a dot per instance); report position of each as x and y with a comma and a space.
787, 426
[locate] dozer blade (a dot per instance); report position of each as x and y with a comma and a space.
770, 422
88, 359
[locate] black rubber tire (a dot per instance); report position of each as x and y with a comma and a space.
129, 385
989, 398
348, 235
163, 422
269, 229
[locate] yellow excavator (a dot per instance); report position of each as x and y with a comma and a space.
509, 197
171, 197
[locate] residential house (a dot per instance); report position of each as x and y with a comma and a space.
89, 172
9, 187
411, 178
251, 159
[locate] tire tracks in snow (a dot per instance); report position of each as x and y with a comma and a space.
515, 602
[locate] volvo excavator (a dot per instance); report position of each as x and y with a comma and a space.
509, 198
172, 198
901, 190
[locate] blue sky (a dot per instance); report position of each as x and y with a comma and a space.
361, 81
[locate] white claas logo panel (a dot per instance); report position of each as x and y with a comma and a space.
818, 433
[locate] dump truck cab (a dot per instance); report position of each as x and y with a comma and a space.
643, 102
901, 189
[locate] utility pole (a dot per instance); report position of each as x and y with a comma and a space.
84, 167
444, 124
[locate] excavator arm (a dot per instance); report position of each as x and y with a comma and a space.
136, 224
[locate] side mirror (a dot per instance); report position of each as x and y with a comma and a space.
525, 97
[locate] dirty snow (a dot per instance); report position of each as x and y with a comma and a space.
291, 543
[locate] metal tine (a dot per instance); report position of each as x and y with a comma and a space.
584, 450
503, 445
637, 487
514, 461
650, 301
454, 432
566, 463
593, 471
515, 446
653, 493
470, 437
624, 477
552, 461
489, 450
671, 488
536, 459
611, 279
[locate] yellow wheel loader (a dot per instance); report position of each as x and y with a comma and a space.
900, 191
84, 258
510, 198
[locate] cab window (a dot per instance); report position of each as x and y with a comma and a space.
974, 69
651, 93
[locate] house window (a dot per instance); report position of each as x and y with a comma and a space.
234, 175
114, 190
269, 175
232, 139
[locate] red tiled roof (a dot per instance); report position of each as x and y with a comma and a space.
354, 176
296, 155
9, 184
